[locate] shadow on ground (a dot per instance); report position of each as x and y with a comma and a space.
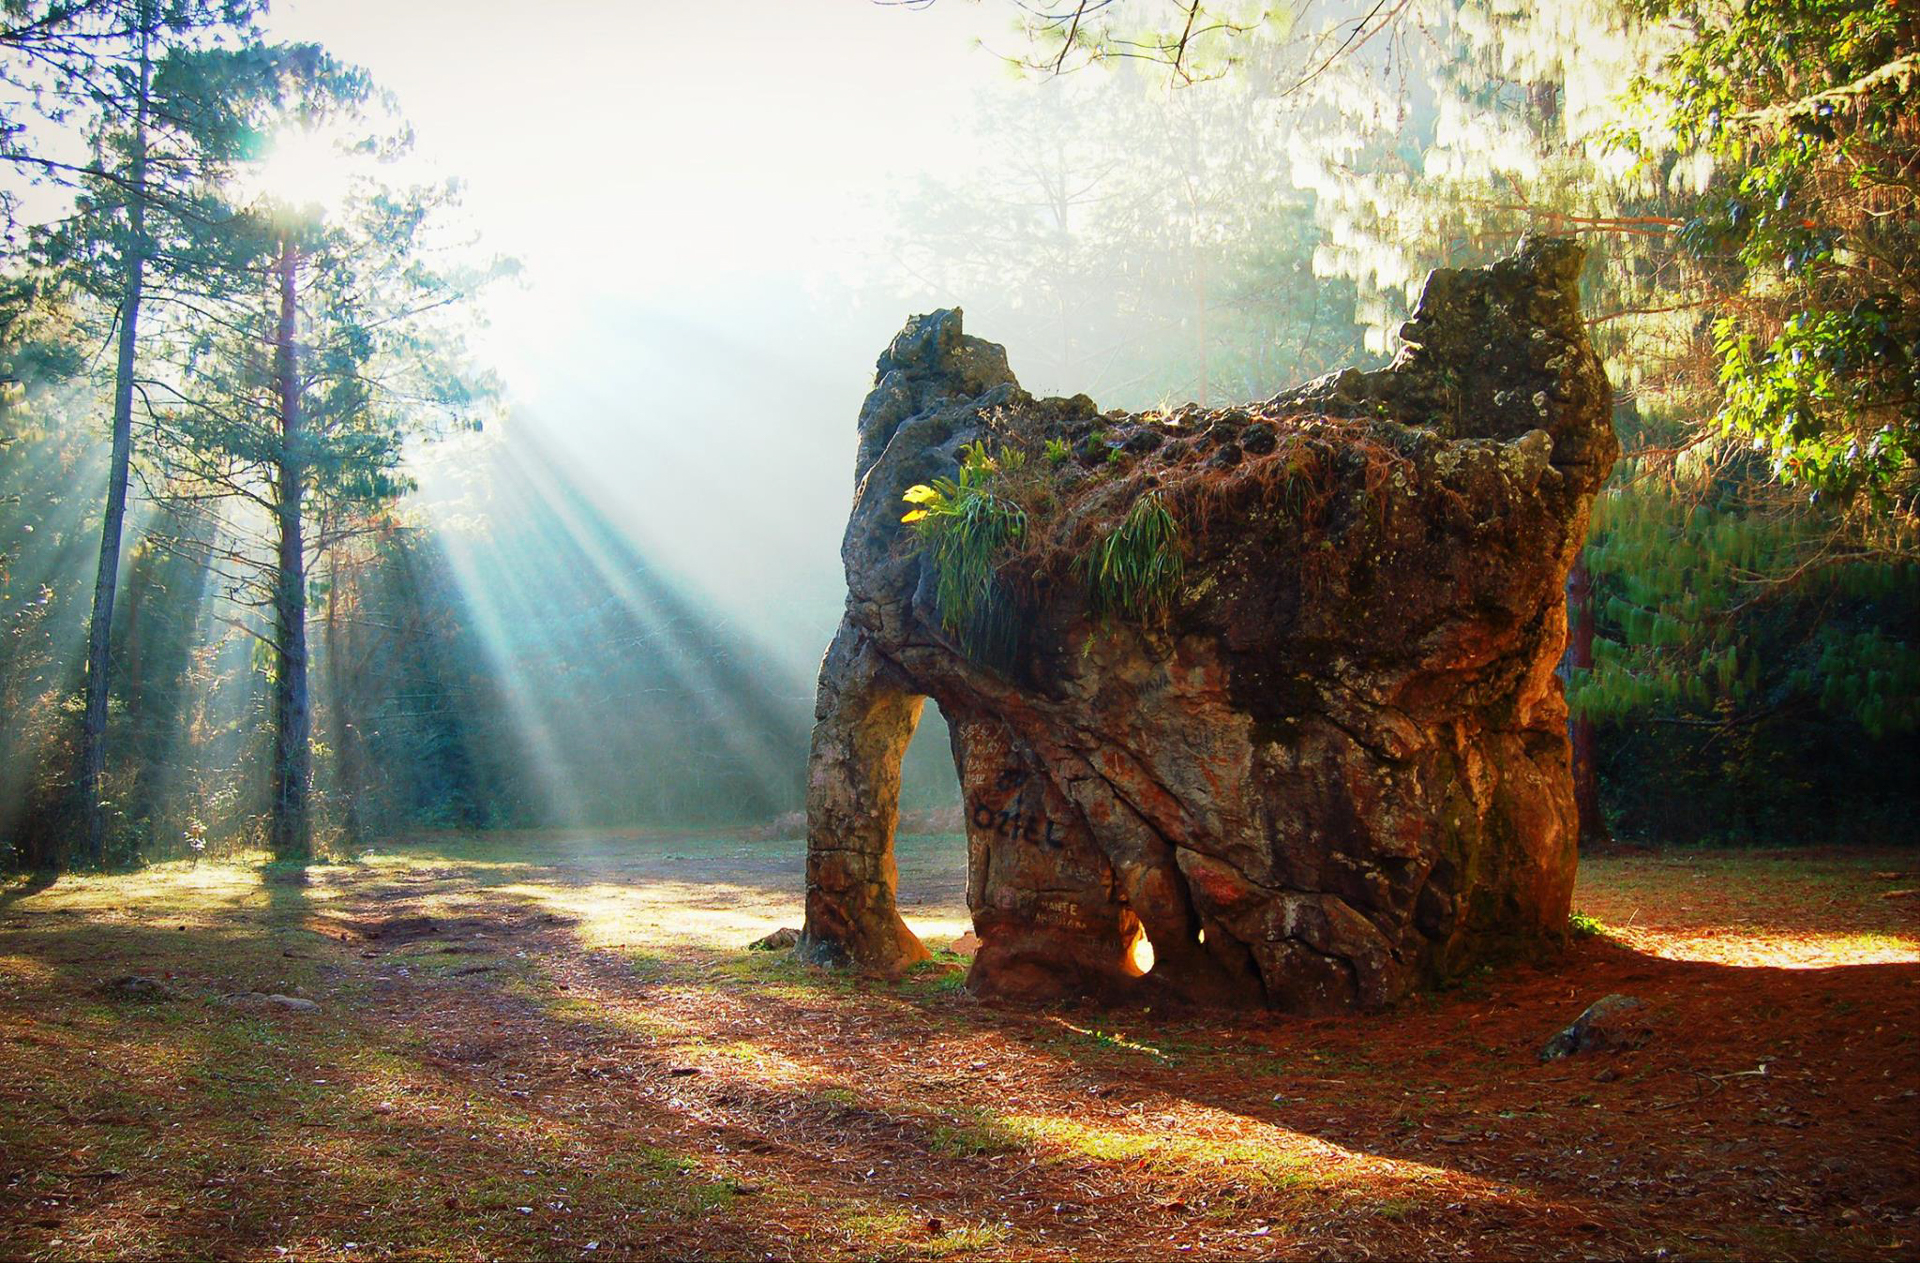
529, 1046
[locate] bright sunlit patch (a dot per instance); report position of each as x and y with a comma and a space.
25, 970
933, 930
304, 169
1771, 950
1195, 1139
1758, 912
1140, 955
1110, 1039
713, 916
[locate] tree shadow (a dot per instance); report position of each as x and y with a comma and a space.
1808, 1072
289, 902
28, 886
1438, 1113
1382, 1133
109, 1105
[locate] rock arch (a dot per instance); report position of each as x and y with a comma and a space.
863, 721
1336, 768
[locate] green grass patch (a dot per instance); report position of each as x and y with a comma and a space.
944, 975
1135, 572
904, 1234
972, 1133
1580, 925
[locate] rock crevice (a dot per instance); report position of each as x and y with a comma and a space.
1326, 762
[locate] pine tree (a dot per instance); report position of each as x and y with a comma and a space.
354, 309
1811, 109
101, 58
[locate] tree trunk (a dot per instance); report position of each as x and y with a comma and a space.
290, 833
1586, 777
93, 731
344, 734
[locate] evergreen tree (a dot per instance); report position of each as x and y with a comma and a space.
355, 310
1811, 109
101, 57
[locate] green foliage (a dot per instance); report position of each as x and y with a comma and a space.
1808, 397
1135, 572
1580, 925
380, 313
1693, 621
969, 528
174, 98
1808, 108
1750, 679
1865, 673
1057, 452
38, 348
967, 531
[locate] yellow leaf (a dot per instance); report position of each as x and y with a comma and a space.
916, 515
920, 493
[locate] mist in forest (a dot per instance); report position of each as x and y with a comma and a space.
608, 607
595, 592
715, 250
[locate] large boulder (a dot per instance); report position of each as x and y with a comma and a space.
1327, 762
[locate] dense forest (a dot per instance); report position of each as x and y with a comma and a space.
237, 330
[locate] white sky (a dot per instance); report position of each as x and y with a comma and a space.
683, 183
639, 149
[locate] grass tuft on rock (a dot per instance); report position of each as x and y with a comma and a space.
967, 531
1135, 572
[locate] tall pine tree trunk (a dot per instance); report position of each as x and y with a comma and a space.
1586, 777
290, 832
93, 731
345, 735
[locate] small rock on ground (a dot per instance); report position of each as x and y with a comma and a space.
136, 987
1611, 1023
779, 941
293, 1003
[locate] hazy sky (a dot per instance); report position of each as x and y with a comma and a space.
688, 186
651, 150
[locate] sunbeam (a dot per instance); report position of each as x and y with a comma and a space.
487, 601
671, 720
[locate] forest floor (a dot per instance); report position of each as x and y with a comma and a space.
538, 1046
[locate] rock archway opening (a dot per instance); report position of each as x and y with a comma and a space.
930, 850
929, 783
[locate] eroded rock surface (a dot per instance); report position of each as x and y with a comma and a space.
1336, 769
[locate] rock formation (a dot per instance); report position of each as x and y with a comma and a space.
1328, 764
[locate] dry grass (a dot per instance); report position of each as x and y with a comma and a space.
532, 1046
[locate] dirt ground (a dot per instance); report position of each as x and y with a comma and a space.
555, 1047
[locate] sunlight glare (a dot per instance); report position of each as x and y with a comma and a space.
305, 169
1761, 949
